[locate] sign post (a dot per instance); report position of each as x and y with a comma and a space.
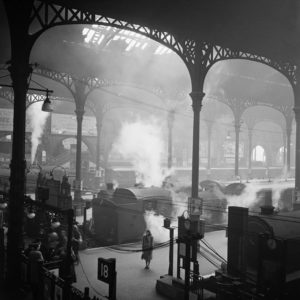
107, 273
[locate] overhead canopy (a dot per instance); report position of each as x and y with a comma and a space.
268, 28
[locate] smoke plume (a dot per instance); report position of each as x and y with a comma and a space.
249, 196
155, 225
37, 119
142, 144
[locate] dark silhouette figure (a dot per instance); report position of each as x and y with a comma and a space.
76, 242
147, 246
35, 259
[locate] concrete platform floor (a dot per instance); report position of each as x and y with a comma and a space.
133, 281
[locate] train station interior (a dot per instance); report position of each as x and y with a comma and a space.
178, 117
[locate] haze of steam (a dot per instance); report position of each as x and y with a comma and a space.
141, 143
249, 197
155, 225
37, 119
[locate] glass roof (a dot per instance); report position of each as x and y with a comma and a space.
103, 36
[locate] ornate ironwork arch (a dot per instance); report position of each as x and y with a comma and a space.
93, 83
46, 15
238, 108
219, 54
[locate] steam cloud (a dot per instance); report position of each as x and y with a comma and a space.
249, 198
37, 119
141, 143
155, 225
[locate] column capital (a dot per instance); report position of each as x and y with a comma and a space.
79, 112
171, 117
197, 95
15, 69
237, 125
197, 98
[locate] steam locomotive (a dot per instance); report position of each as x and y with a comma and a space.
263, 252
118, 215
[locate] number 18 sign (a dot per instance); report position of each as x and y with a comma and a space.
106, 269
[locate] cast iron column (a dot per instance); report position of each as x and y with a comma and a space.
80, 97
284, 140
77, 192
209, 130
171, 251
171, 114
250, 135
237, 126
98, 126
18, 15
288, 145
187, 267
17, 173
297, 150
197, 104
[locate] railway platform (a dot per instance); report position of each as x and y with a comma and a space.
133, 281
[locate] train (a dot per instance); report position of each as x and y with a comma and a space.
263, 252
118, 215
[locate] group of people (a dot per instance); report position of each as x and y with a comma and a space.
53, 247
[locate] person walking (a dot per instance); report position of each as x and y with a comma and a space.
76, 242
66, 269
35, 258
147, 246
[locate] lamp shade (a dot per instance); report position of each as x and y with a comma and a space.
47, 107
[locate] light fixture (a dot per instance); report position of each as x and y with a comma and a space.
30, 213
55, 223
47, 107
3, 203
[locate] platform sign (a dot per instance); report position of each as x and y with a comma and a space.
106, 269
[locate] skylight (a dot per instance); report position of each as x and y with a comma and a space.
96, 34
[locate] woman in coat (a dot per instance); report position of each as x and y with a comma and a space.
147, 246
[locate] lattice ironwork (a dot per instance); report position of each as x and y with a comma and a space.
220, 53
239, 106
93, 83
46, 15
64, 78
8, 95
96, 83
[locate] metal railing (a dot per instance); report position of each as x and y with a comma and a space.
50, 286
